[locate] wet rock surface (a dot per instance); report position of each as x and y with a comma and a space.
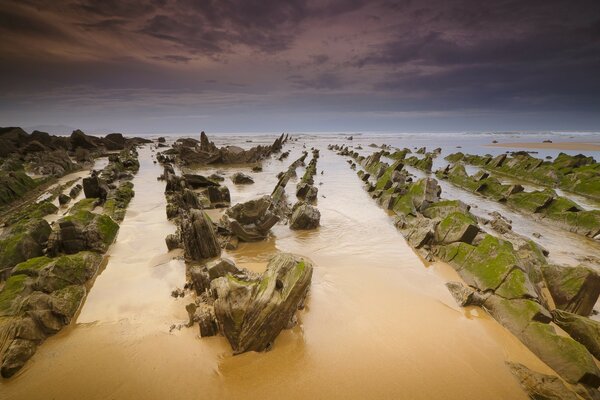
250, 309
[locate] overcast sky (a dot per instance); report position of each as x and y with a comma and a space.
183, 66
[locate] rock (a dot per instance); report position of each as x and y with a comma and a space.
574, 289
198, 236
585, 330
541, 386
252, 312
219, 196
222, 267
75, 190
173, 242
419, 231
239, 178
80, 139
456, 227
63, 199
161, 140
114, 141
499, 223
252, 220
17, 354
305, 217
198, 181
83, 230
23, 241
465, 295
94, 187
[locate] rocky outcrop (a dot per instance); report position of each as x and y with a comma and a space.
22, 241
94, 187
206, 152
578, 174
503, 274
250, 310
544, 205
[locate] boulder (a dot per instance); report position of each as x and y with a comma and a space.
219, 197
15, 357
465, 295
305, 217
252, 220
252, 312
114, 141
239, 178
94, 187
82, 230
456, 227
63, 199
198, 236
574, 289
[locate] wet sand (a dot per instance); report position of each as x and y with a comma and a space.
379, 323
555, 145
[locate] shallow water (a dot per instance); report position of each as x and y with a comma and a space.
379, 322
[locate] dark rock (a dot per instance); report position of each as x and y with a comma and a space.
305, 217
198, 181
94, 187
63, 199
17, 354
239, 178
198, 236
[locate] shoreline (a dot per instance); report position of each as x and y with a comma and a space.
589, 146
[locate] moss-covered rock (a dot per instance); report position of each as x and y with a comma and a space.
574, 289
456, 227
13, 185
585, 330
83, 230
24, 240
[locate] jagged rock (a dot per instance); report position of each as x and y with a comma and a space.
574, 289
585, 330
499, 223
305, 217
252, 312
198, 236
80, 139
239, 178
541, 386
252, 220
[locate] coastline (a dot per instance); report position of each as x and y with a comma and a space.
589, 146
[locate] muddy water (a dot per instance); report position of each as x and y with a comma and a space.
378, 322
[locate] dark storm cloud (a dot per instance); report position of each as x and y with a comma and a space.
382, 58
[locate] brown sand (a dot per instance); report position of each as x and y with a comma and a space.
554, 146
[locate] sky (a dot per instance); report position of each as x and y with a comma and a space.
179, 66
